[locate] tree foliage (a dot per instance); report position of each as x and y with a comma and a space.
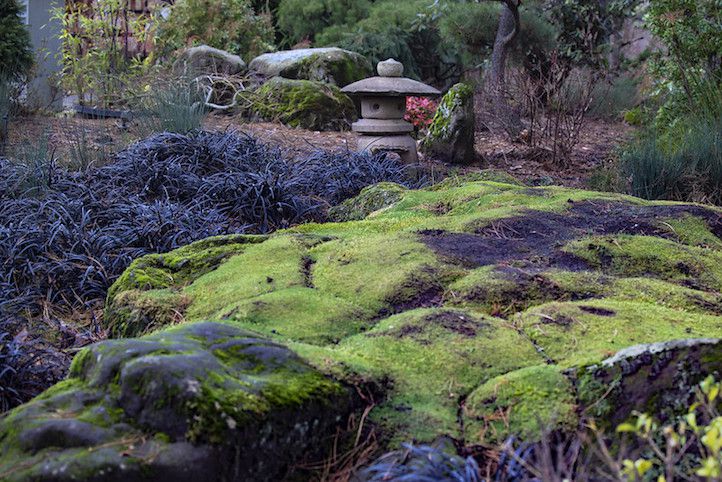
16, 55
230, 25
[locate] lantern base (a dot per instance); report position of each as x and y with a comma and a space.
404, 146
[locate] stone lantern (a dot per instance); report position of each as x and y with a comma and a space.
383, 105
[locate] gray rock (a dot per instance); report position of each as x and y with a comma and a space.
204, 59
656, 378
451, 134
330, 65
203, 401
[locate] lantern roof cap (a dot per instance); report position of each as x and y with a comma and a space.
390, 83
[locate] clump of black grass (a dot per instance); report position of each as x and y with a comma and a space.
422, 463
66, 235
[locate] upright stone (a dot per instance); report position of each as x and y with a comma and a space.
451, 134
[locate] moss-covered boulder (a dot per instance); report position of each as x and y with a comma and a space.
451, 133
204, 401
303, 103
330, 65
471, 310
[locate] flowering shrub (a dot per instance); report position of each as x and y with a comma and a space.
420, 112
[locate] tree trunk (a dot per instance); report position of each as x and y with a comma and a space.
504, 37
506, 33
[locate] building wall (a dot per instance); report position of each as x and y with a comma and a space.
44, 32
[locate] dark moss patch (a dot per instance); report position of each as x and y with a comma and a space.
535, 239
593, 310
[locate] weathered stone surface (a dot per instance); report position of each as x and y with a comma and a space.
206, 400
451, 134
304, 103
458, 304
657, 378
330, 65
204, 59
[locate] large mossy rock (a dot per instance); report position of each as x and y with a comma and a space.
304, 103
471, 310
451, 133
330, 65
204, 401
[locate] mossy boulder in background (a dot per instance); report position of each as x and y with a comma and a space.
330, 65
208, 60
304, 103
451, 134
205, 401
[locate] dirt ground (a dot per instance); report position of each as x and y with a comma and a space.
64, 137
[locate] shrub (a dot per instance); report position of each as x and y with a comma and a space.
299, 20
171, 105
689, 169
405, 31
99, 65
230, 25
16, 54
420, 112
613, 97
691, 67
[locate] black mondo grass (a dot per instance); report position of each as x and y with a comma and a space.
65, 236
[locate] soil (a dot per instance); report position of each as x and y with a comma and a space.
535, 238
65, 135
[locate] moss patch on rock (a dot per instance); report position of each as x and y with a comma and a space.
370, 199
182, 402
451, 133
330, 65
524, 402
304, 103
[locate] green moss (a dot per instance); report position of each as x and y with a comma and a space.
181, 266
491, 175
379, 272
304, 103
261, 268
504, 290
589, 331
371, 199
637, 256
136, 313
523, 402
300, 314
431, 358
691, 230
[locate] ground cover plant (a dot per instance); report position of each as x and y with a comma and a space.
66, 235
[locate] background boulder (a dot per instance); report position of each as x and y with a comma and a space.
331, 65
208, 60
451, 134
304, 103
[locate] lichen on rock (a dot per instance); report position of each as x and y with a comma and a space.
330, 65
451, 133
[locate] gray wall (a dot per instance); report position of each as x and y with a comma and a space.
44, 33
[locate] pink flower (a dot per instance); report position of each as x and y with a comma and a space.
420, 111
